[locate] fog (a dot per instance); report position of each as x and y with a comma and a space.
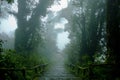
62, 40
9, 24
65, 39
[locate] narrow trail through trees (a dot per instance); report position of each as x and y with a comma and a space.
57, 70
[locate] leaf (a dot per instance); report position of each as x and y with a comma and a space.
10, 1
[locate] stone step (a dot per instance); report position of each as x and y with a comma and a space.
57, 74
60, 78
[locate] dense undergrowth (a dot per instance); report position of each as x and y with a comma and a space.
10, 59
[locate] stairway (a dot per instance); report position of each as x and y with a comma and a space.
60, 78
57, 71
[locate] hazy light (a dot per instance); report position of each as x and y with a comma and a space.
14, 6
61, 24
64, 3
62, 40
8, 25
63, 20
57, 7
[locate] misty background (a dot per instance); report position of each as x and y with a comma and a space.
9, 24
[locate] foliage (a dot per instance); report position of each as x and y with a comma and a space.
28, 35
87, 30
1, 49
10, 59
9, 1
88, 35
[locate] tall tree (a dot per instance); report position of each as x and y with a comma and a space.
87, 26
95, 26
113, 30
113, 36
27, 35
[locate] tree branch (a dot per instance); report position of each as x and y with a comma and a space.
13, 13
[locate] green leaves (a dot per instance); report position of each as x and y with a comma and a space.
86, 29
9, 1
1, 46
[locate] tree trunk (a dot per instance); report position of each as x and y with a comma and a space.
27, 36
113, 30
113, 36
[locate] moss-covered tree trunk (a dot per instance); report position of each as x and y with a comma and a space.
27, 36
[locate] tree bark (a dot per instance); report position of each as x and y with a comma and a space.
27, 35
113, 30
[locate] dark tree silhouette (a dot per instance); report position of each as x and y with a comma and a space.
113, 30
113, 36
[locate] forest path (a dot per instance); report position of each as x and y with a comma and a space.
57, 70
